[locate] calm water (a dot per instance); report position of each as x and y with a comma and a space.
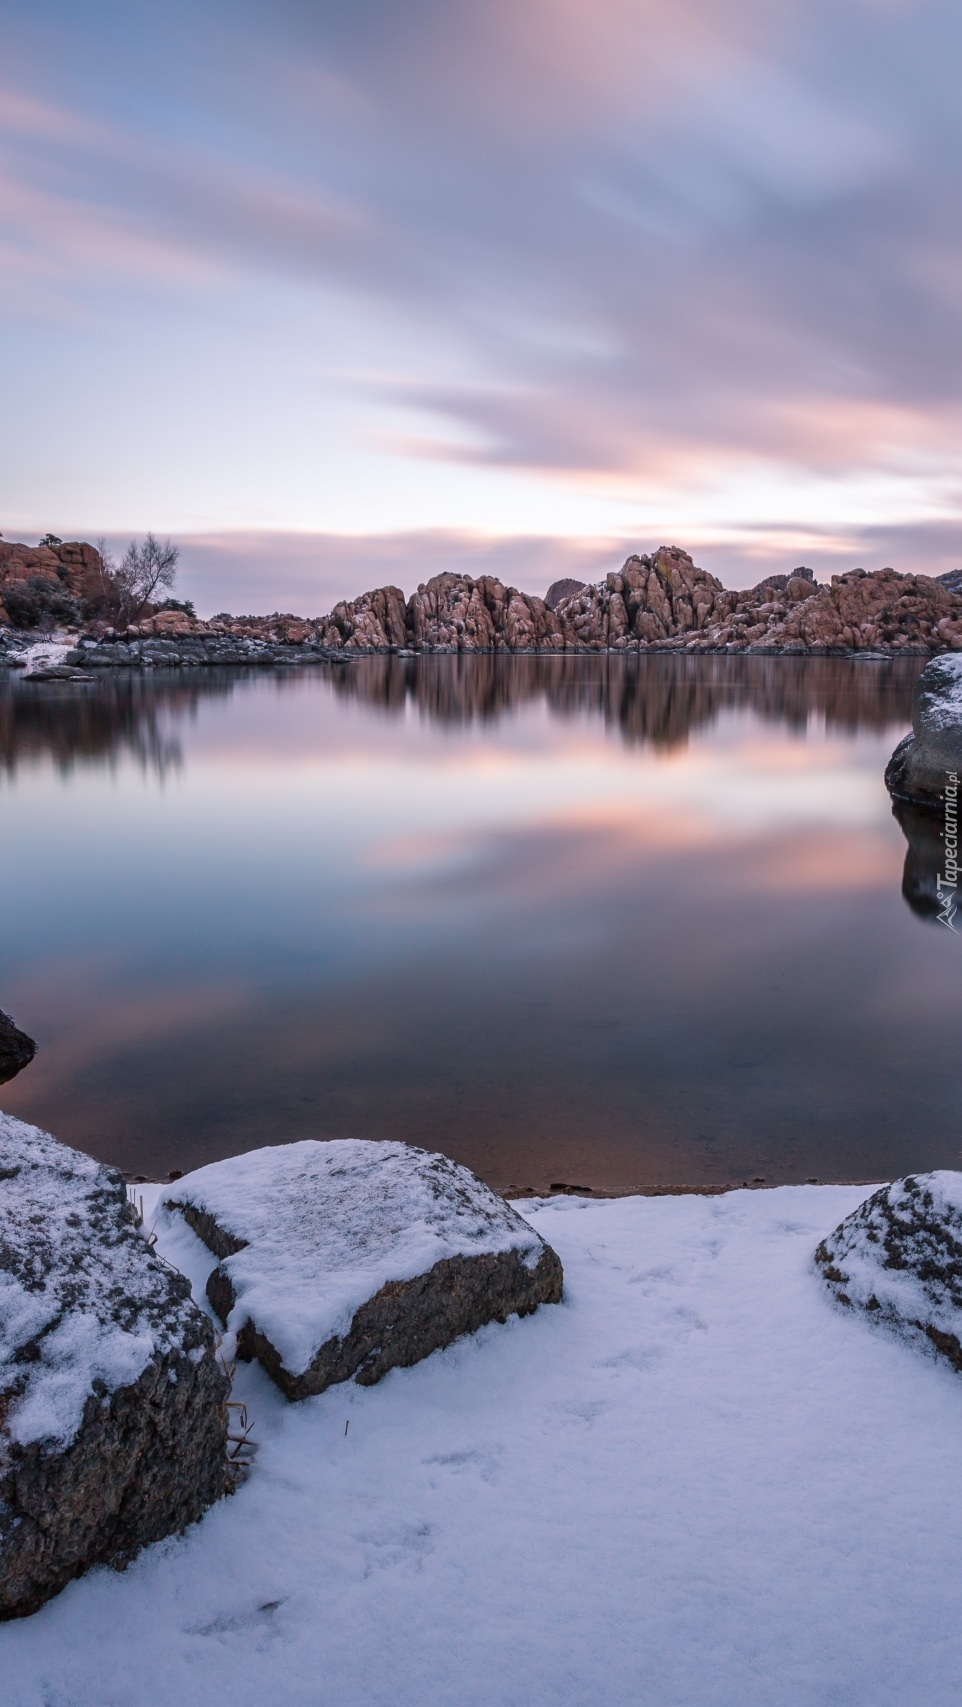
608, 922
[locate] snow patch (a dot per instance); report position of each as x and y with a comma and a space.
45, 655
84, 1305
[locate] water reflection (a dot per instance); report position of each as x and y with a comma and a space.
620, 922
660, 700
76, 725
924, 859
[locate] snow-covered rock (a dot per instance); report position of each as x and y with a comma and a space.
349, 1258
931, 756
899, 1256
112, 1420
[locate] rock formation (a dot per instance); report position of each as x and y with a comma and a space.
564, 589
899, 1257
349, 1258
48, 581
930, 758
662, 601
112, 1418
17, 1050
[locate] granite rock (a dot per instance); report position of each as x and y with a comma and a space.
348, 1258
929, 760
112, 1401
898, 1257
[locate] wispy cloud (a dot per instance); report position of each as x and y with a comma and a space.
632, 250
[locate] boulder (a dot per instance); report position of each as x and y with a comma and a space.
563, 589
929, 760
349, 1258
112, 1401
899, 1257
17, 1050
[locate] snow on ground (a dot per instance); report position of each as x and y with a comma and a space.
46, 654
695, 1483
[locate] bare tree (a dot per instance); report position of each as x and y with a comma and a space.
143, 571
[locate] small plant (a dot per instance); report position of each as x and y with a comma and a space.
240, 1447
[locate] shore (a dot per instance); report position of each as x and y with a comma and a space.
695, 1481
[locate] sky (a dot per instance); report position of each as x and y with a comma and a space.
336, 294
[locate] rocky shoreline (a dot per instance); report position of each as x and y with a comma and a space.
657, 603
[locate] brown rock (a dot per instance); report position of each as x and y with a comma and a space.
562, 589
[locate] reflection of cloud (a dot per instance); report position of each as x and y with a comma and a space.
846, 861
93, 1022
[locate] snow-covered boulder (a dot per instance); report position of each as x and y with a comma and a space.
899, 1256
112, 1418
931, 757
349, 1258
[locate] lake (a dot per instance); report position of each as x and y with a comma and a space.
607, 922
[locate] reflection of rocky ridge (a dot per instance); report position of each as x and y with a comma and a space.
126, 714
661, 699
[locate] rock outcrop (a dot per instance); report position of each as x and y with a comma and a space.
662, 601
929, 760
112, 1419
899, 1258
17, 1050
349, 1258
48, 581
563, 589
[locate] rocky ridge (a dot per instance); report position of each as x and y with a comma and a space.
661, 602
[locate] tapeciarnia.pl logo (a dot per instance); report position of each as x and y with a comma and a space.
948, 882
